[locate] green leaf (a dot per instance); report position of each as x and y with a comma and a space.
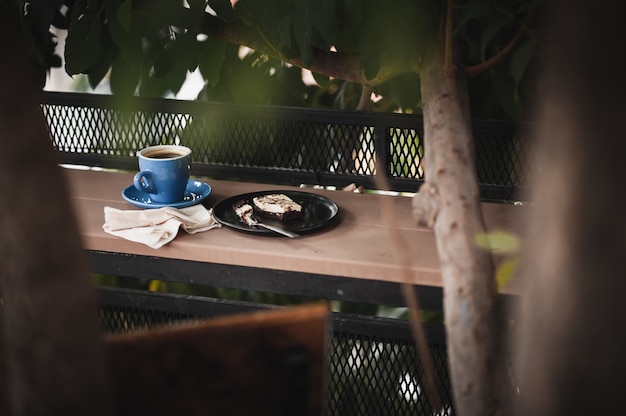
96, 77
521, 58
187, 50
39, 14
501, 242
243, 12
61, 20
108, 51
372, 45
129, 43
324, 23
348, 96
354, 7
197, 4
506, 93
285, 35
322, 80
404, 91
213, 53
371, 68
505, 271
118, 32
176, 77
489, 34
125, 14
473, 10
153, 87
165, 61
223, 9
124, 78
93, 5
303, 39
82, 45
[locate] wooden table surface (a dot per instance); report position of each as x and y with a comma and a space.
358, 245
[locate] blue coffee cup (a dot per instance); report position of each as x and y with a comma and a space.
164, 172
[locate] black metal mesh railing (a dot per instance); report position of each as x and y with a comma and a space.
372, 364
274, 144
371, 374
115, 319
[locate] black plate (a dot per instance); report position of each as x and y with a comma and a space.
317, 212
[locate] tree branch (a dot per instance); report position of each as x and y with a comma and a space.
426, 205
332, 64
448, 66
365, 102
345, 66
473, 71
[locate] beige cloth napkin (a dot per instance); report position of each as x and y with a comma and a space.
157, 227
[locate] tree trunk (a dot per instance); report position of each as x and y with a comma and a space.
572, 359
449, 201
51, 361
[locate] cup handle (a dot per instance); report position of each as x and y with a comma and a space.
143, 182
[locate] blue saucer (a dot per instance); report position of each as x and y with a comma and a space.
195, 193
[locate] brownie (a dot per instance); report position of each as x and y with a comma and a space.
277, 206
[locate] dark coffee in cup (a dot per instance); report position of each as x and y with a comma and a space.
162, 154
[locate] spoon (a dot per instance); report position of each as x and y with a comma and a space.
254, 222
244, 211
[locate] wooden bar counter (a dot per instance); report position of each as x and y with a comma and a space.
354, 258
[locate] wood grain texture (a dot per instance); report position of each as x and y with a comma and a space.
264, 363
357, 246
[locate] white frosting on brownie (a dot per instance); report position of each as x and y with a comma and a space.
244, 212
276, 204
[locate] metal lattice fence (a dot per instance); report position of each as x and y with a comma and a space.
278, 145
372, 365
378, 375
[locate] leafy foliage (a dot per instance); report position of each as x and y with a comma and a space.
149, 46
508, 247
482, 30
36, 18
376, 32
